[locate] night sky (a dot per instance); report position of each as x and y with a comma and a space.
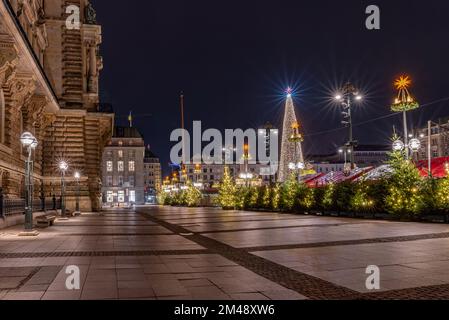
234, 59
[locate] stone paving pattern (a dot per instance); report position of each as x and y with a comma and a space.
204, 253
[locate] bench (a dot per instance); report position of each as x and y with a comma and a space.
45, 221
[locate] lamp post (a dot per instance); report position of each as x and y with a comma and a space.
404, 103
246, 160
346, 98
63, 167
30, 143
77, 177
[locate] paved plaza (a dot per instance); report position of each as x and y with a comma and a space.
205, 253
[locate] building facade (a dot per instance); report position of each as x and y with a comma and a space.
123, 168
49, 87
439, 140
152, 176
210, 175
364, 156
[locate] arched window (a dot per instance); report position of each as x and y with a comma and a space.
2, 116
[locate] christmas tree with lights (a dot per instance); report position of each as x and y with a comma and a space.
291, 149
227, 191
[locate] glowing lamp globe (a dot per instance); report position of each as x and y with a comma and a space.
28, 140
415, 145
398, 145
63, 166
77, 175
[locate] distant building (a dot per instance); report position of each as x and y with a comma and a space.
371, 155
123, 168
364, 156
439, 140
210, 175
152, 175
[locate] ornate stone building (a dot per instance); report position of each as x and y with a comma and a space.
49, 86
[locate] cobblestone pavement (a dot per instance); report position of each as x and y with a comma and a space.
179, 253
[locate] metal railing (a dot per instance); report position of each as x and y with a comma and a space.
10, 207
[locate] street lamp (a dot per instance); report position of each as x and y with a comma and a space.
404, 103
30, 143
346, 98
414, 145
77, 177
63, 167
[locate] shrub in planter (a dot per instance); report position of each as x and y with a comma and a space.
227, 192
243, 196
344, 192
306, 198
289, 194
328, 199
403, 197
253, 198
193, 196
318, 194
369, 197
266, 198
276, 195
433, 198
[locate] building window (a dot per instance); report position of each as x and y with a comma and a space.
110, 197
121, 196
120, 143
120, 153
132, 196
109, 166
131, 181
120, 181
109, 181
132, 166
121, 166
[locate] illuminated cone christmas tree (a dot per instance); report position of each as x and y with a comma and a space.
291, 149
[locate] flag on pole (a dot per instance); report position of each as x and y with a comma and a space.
130, 119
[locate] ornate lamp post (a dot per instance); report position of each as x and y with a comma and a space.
77, 177
414, 145
346, 98
30, 143
404, 103
63, 167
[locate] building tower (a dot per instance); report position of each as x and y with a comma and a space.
291, 152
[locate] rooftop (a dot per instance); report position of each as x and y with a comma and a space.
127, 132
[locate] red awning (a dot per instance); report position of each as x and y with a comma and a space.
438, 167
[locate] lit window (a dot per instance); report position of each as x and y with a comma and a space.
132, 166
120, 153
121, 166
109, 166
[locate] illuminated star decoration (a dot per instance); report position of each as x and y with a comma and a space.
403, 83
404, 101
289, 92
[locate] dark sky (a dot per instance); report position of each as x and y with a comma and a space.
234, 59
